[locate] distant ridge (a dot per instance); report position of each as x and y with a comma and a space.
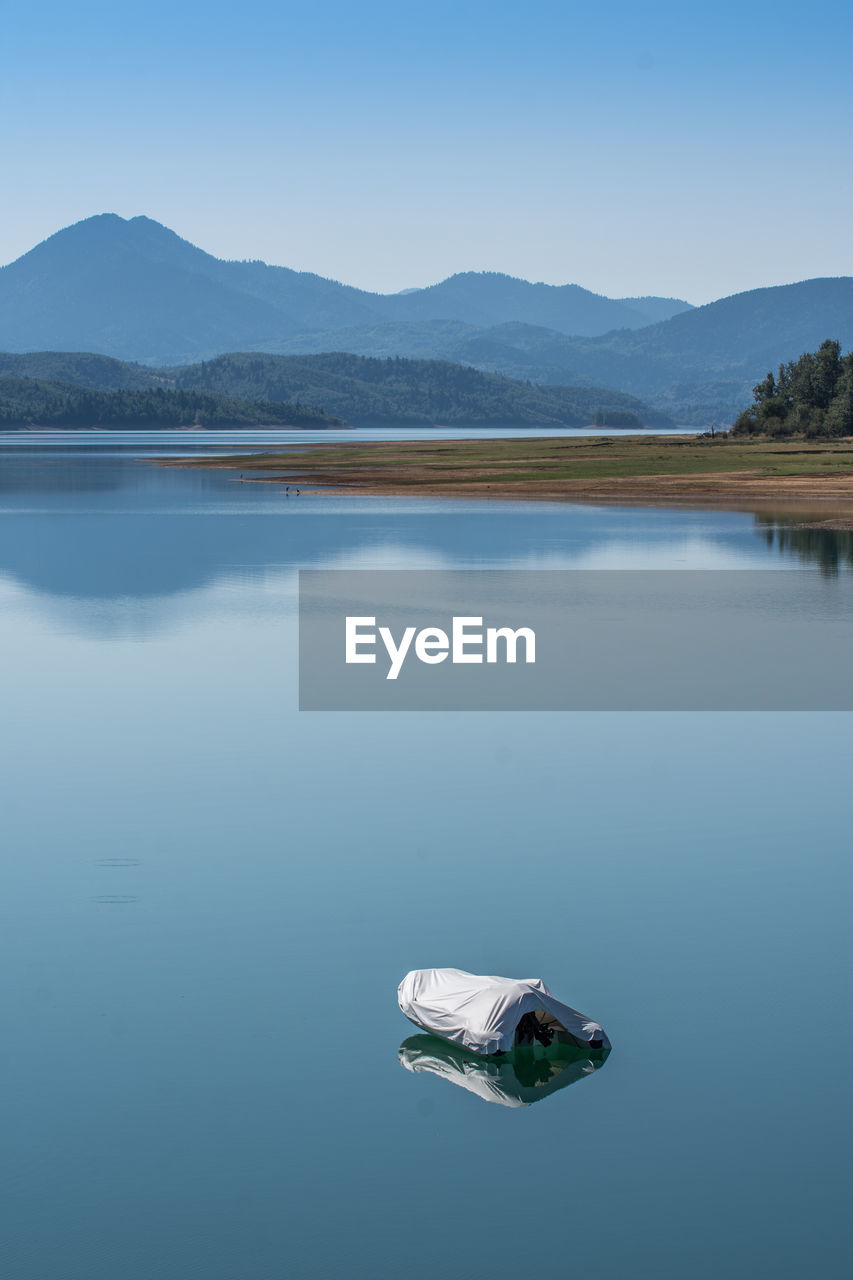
699, 366
133, 289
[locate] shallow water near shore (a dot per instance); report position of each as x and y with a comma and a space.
209, 900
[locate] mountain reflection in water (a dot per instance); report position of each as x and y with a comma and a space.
518, 1080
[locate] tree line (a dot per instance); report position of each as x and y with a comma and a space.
811, 396
31, 402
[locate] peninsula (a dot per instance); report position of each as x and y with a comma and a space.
638, 470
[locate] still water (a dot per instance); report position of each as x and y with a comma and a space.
209, 899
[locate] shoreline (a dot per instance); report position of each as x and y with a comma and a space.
649, 471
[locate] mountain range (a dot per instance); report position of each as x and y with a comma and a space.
133, 289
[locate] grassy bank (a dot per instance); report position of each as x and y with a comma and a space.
674, 470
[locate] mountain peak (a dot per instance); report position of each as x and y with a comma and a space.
133, 288
110, 233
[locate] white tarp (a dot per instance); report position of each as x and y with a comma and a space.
481, 1013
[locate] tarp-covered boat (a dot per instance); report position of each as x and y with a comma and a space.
491, 1015
515, 1080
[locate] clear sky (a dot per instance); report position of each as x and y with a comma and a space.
667, 148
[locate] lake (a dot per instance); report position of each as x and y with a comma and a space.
209, 900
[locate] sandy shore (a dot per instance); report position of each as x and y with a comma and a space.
812, 482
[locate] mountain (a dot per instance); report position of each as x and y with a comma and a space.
98, 373
654, 309
132, 288
698, 366
363, 392
135, 290
702, 363
129, 289
486, 298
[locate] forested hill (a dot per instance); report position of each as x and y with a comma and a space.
363, 392
83, 368
369, 392
34, 402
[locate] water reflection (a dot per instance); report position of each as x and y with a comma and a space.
94, 523
149, 1075
831, 549
518, 1080
124, 556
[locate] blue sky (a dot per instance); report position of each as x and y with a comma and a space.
659, 148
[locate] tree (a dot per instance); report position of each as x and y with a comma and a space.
812, 396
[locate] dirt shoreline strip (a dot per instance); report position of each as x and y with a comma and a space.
814, 477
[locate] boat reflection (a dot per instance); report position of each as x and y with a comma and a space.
517, 1080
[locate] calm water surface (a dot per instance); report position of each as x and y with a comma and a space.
209, 899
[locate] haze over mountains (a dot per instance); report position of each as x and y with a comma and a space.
134, 290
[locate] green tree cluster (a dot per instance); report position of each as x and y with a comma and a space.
811, 397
